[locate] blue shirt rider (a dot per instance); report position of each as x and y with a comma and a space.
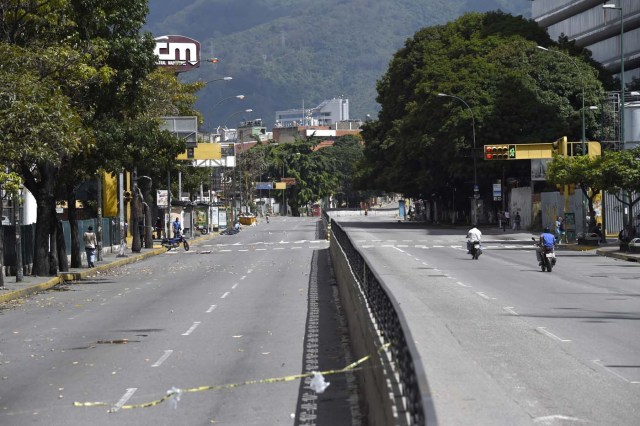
547, 239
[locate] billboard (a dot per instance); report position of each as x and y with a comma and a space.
178, 52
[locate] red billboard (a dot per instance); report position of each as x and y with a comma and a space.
179, 52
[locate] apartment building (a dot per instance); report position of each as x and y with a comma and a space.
327, 113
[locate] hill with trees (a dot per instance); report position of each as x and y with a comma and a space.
283, 53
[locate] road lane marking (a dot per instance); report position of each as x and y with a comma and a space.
211, 308
400, 250
233, 287
511, 311
261, 249
128, 394
163, 358
225, 250
620, 376
243, 277
463, 285
484, 296
193, 327
224, 296
544, 331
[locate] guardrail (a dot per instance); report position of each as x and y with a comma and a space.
396, 389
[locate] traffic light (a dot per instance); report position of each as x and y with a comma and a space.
499, 152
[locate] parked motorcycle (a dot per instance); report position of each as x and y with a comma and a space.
546, 256
475, 248
175, 242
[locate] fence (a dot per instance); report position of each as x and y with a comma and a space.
110, 237
374, 316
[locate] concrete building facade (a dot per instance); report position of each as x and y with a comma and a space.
595, 28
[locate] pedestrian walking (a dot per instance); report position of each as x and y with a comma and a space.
90, 243
559, 230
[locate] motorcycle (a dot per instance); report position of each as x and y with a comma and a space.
175, 242
475, 249
546, 256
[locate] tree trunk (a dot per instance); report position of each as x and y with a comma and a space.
1, 256
43, 228
18, 223
61, 246
76, 255
53, 251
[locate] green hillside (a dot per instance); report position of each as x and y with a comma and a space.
283, 53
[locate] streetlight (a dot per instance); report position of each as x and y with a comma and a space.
584, 137
475, 168
625, 212
242, 150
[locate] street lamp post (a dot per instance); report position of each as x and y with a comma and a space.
475, 168
625, 212
242, 145
573, 61
583, 138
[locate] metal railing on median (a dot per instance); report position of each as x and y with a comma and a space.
394, 329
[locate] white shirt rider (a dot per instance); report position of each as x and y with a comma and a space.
474, 234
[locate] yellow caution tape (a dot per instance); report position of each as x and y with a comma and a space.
176, 393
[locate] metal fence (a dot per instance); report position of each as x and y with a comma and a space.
110, 237
394, 330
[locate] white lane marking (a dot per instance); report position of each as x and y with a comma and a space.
544, 331
438, 246
163, 358
243, 250
224, 296
128, 394
296, 248
484, 296
190, 330
387, 245
279, 248
225, 251
261, 249
233, 287
249, 271
243, 277
402, 245
367, 246
510, 310
211, 308
552, 419
400, 250
599, 364
463, 285
421, 246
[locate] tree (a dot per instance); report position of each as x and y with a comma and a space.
621, 175
516, 93
344, 155
584, 170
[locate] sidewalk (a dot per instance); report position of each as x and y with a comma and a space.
31, 284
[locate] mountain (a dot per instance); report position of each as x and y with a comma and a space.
286, 53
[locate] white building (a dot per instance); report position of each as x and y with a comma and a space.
327, 113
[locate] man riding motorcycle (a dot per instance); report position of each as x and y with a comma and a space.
547, 243
473, 235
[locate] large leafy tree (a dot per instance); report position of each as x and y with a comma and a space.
515, 93
74, 98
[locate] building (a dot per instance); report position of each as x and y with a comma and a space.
598, 29
595, 28
326, 114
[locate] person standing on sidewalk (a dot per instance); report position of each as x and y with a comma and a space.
516, 221
90, 243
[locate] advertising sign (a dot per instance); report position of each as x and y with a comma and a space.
178, 52
163, 198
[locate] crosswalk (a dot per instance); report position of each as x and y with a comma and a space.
257, 246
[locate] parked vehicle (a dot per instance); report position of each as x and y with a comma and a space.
175, 242
546, 256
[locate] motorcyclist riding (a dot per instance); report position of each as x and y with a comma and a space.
473, 235
547, 240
